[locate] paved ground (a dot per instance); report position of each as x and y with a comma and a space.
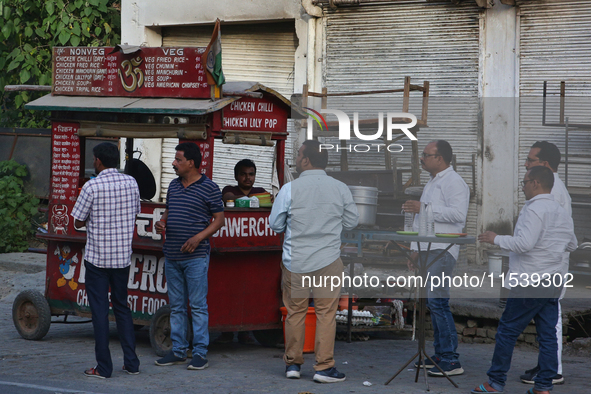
55, 364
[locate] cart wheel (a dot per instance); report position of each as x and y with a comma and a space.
268, 338
160, 331
31, 315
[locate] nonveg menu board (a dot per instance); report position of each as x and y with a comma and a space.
65, 166
149, 72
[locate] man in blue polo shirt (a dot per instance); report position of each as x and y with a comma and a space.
192, 200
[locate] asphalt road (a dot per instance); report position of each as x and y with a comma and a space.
55, 364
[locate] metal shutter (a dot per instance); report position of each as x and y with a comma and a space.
263, 53
555, 45
375, 47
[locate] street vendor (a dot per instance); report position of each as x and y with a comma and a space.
245, 172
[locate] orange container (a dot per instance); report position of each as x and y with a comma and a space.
310, 323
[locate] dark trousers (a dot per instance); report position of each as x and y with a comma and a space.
519, 311
98, 281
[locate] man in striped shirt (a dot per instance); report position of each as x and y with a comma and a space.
191, 202
107, 206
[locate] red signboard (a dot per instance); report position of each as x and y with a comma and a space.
266, 114
65, 170
149, 72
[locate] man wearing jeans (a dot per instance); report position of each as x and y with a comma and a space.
449, 197
107, 206
544, 153
191, 202
312, 212
537, 271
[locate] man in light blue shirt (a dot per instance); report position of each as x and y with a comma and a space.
312, 212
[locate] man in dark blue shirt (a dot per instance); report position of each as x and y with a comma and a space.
192, 200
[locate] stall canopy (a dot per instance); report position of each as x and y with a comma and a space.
170, 106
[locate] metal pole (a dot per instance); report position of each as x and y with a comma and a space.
566, 153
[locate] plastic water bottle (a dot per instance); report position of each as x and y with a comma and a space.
430, 220
409, 218
422, 221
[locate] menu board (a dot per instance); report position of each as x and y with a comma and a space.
206, 149
266, 114
149, 72
65, 166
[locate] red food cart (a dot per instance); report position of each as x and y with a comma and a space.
157, 93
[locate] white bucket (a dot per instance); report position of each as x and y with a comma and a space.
495, 264
366, 199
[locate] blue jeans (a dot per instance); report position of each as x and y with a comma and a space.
518, 313
445, 337
98, 280
187, 280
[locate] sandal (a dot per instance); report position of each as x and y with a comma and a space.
93, 373
531, 391
481, 389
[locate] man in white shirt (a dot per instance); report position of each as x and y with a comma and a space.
449, 196
312, 212
544, 153
544, 231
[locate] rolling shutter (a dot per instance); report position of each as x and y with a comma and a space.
375, 47
555, 46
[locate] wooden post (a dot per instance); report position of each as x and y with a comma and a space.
425, 107
406, 95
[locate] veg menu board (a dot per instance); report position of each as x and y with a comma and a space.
148, 72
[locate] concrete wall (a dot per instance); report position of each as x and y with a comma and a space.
497, 199
140, 18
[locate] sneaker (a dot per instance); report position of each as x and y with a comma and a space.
428, 363
224, 338
244, 338
530, 374
93, 373
330, 375
292, 371
198, 362
450, 368
129, 372
170, 359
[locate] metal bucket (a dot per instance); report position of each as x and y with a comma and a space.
366, 199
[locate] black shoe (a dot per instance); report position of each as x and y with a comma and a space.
529, 376
427, 363
198, 362
170, 359
450, 369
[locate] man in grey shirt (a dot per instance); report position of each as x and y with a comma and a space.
312, 212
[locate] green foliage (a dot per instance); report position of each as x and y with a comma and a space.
29, 29
16, 208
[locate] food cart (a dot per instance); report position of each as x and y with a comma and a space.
109, 93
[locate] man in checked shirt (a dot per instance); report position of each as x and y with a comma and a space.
107, 206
